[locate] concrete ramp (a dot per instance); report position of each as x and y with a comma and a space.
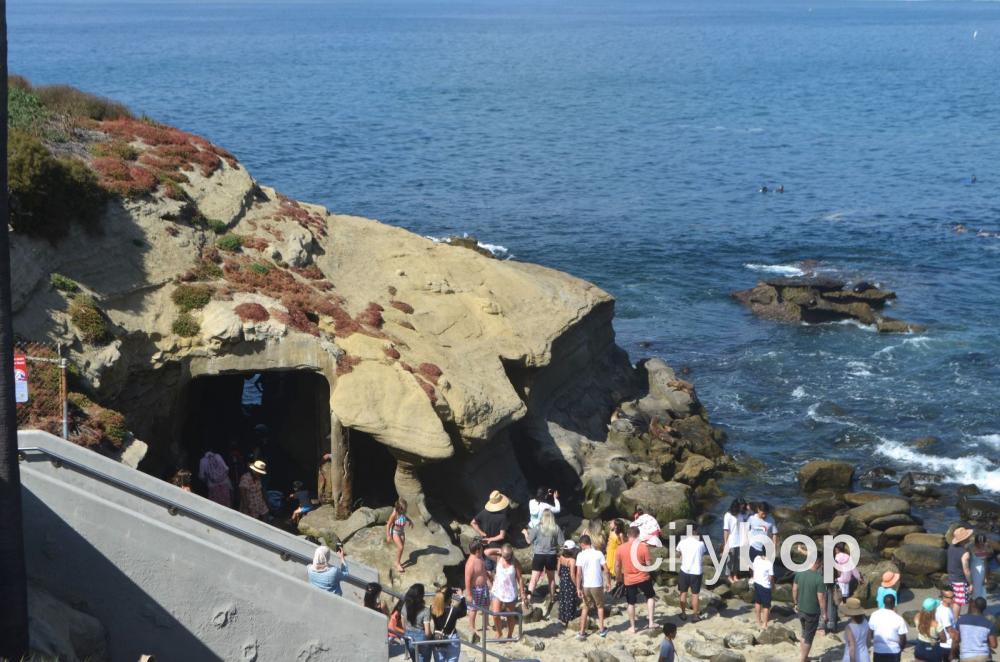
175, 575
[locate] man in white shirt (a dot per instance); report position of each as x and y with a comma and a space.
763, 576
691, 549
733, 524
888, 632
946, 620
761, 528
591, 579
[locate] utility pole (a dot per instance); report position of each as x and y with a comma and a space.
13, 577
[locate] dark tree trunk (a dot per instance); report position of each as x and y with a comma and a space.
13, 580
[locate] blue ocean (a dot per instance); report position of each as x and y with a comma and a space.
625, 142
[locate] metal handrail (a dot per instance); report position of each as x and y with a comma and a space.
285, 553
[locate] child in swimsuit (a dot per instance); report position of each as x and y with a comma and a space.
395, 531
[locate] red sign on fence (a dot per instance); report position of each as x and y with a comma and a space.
20, 378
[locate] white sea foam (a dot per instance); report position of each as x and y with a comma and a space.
856, 323
782, 269
990, 439
974, 469
813, 413
859, 369
799, 393
497, 250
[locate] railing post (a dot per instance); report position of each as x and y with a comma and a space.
63, 394
486, 620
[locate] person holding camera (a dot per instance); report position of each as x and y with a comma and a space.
325, 576
545, 499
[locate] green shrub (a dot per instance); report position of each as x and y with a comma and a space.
259, 269
24, 111
215, 225
191, 297
113, 424
67, 100
63, 284
115, 148
230, 242
186, 326
49, 194
88, 320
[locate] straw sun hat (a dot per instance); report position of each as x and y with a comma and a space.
259, 467
852, 607
961, 534
497, 502
890, 578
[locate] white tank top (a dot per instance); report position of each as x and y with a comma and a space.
504, 580
860, 632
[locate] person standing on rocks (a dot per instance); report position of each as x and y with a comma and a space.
733, 526
545, 540
567, 582
856, 633
627, 557
252, 501
395, 531
979, 564
959, 572
889, 586
477, 586
545, 499
692, 550
616, 536
667, 652
761, 528
491, 525
763, 578
945, 618
591, 580
809, 599
214, 472
506, 586
977, 635
888, 632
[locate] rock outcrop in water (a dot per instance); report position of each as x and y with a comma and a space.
816, 300
472, 373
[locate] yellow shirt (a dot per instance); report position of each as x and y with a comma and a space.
609, 554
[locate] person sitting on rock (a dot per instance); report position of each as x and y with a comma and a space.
301, 496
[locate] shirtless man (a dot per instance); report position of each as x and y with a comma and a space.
477, 587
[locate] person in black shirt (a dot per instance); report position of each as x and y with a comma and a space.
445, 613
491, 525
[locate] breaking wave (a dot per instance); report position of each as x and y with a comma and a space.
781, 269
974, 469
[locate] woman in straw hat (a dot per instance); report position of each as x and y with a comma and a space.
251, 492
929, 631
959, 573
856, 632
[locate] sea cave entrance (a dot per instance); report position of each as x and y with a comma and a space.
372, 469
285, 415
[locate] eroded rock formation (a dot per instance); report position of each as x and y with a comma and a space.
815, 300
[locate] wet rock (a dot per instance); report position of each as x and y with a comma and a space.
846, 525
891, 325
861, 498
920, 559
832, 474
694, 469
775, 634
899, 532
969, 490
920, 484
883, 523
880, 508
924, 443
665, 501
878, 477
822, 505
983, 512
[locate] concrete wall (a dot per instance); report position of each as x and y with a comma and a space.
172, 585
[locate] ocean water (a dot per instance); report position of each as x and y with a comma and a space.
625, 143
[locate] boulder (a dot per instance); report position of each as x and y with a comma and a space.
889, 521
878, 477
703, 650
920, 485
903, 531
695, 467
880, 508
822, 505
322, 523
984, 512
664, 501
601, 486
832, 474
846, 525
861, 498
738, 640
927, 539
728, 656
920, 559
775, 634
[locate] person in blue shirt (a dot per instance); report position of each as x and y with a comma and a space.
667, 652
325, 576
890, 586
